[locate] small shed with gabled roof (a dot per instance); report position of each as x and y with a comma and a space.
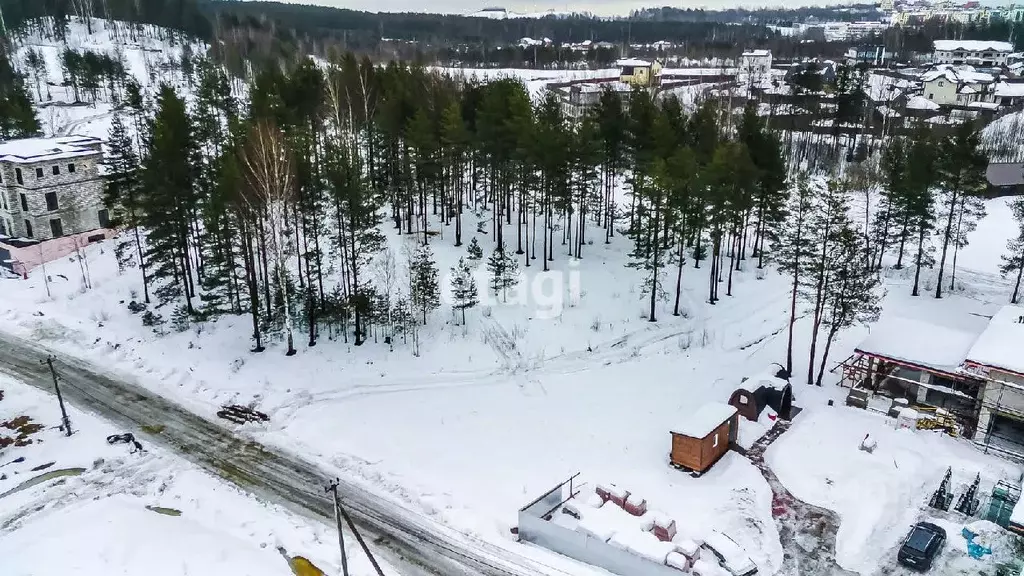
704, 437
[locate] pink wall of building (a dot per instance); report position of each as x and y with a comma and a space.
30, 257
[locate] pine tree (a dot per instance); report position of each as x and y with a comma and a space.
423, 285
474, 250
890, 221
504, 271
17, 114
649, 214
770, 195
962, 175
919, 199
356, 220
1013, 261
852, 296
611, 122
454, 140
795, 248
828, 220
464, 292
168, 196
121, 192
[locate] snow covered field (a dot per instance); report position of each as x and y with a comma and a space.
118, 515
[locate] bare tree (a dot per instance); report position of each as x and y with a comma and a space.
269, 173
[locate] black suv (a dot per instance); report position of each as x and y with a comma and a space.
921, 546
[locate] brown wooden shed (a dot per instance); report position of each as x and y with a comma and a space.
705, 437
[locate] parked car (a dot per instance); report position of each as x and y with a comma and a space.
729, 554
922, 545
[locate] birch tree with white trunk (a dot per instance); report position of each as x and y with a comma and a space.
269, 172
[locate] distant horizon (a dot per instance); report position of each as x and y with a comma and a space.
596, 7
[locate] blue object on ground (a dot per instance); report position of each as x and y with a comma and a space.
974, 550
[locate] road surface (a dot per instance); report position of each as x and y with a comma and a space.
410, 543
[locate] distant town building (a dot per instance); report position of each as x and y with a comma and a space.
49, 188
756, 62
871, 54
636, 72
949, 86
987, 53
826, 69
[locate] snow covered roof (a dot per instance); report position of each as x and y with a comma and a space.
967, 89
757, 53
921, 103
1000, 345
766, 378
31, 150
1009, 89
983, 105
973, 45
632, 62
961, 74
704, 421
920, 343
1005, 173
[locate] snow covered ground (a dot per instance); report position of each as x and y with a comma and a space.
878, 495
135, 513
528, 393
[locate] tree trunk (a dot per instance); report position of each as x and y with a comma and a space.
679, 275
1016, 285
945, 246
654, 259
956, 244
917, 272
142, 263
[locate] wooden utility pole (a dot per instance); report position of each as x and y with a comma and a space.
338, 509
60, 399
333, 487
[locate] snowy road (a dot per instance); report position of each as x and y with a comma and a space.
408, 542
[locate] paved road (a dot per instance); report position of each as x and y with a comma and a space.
410, 543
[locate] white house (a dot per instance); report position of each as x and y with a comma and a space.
756, 62
975, 52
949, 86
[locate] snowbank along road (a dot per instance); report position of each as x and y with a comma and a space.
410, 543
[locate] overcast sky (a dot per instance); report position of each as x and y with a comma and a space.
601, 7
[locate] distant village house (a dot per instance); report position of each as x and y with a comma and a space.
987, 53
635, 72
756, 62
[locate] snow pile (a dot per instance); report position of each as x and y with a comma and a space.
733, 558
642, 544
921, 103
